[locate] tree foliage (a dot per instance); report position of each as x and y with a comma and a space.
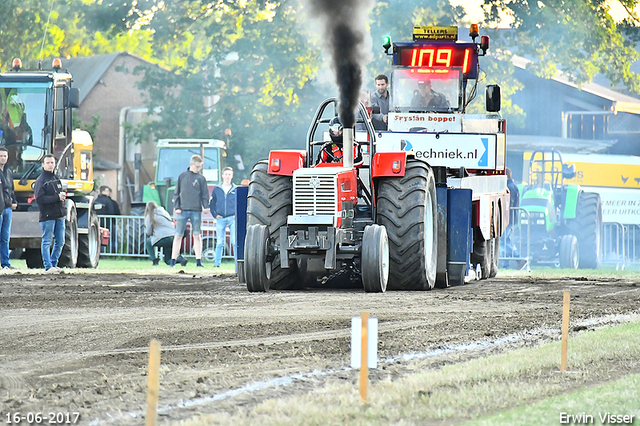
256, 68
577, 37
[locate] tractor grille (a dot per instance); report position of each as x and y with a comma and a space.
315, 195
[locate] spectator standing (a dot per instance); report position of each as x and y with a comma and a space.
50, 199
190, 200
380, 99
223, 209
8, 203
510, 250
160, 230
109, 207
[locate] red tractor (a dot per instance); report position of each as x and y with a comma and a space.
427, 206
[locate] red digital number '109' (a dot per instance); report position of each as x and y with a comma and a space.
433, 57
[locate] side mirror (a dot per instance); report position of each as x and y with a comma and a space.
568, 171
492, 96
74, 98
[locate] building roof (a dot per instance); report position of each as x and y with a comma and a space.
87, 71
620, 102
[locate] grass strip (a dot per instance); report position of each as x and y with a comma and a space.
590, 405
468, 390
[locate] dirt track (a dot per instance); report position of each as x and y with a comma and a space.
79, 342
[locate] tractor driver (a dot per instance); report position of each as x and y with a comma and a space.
331, 152
426, 97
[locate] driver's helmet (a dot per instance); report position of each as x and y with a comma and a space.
335, 130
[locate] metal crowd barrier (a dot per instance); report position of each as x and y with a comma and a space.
621, 245
520, 242
128, 238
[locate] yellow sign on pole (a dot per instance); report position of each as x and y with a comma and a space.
435, 33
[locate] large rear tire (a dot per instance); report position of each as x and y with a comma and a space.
569, 252
69, 256
89, 244
375, 259
269, 202
587, 226
495, 249
406, 207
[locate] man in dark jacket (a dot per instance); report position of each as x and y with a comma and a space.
8, 203
108, 207
510, 250
223, 208
190, 200
50, 199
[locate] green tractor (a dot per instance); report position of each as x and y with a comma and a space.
562, 222
174, 156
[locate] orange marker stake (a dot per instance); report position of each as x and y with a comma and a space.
565, 332
154, 383
364, 369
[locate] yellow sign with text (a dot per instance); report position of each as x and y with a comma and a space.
612, 171
435, 33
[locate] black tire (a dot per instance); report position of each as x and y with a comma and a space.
69, 256
569, 252
587, 226
33, 258
481, 254
256, 249
89, 244
406, 207
495, 249
375, 259
269, 202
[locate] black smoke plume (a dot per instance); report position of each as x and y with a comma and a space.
349, 44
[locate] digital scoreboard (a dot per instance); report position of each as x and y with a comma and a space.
438, 55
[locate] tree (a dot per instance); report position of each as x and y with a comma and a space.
256, 69
577, 37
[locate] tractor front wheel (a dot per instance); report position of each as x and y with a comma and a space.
569, 252
269, 203
256, 249
375, 259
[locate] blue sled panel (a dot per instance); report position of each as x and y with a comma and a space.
241, 220
459, 221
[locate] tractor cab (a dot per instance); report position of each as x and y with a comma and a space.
546, 189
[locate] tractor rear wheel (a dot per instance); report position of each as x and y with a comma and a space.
256, 250
69, 256
569, 252
375, 259
495, 249
269, 202
89, 244
406, 207
587, 226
